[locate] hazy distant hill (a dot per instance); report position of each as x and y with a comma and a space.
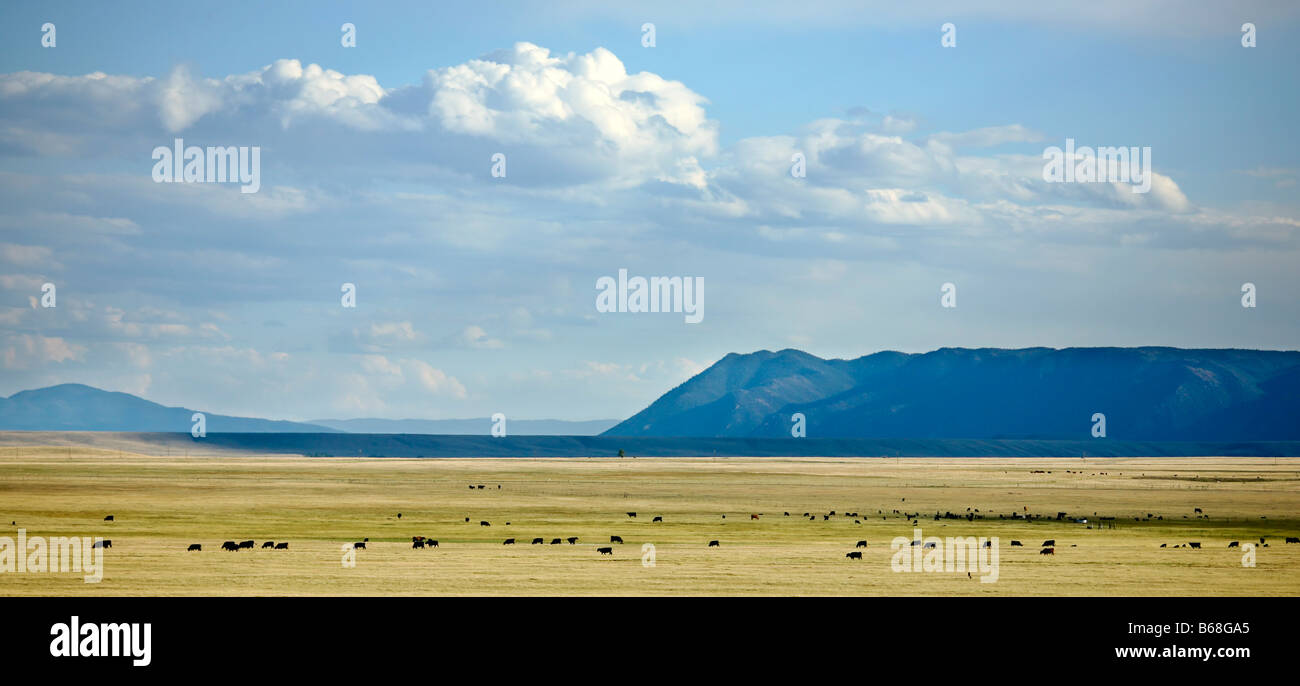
77, 407
468, 427
1146, 394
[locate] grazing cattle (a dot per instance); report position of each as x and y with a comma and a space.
1017, 543
508, 541
417, 544
657, 519
1195, 546
480, 487
1198, 511
787, 514
194, 546
853, 556
281, 546
713, 544
1049, 543
399, 515
1047, 551
825, 518
269, 544
1292, 539
753, 516
108, 518
1261, 540
631, 514
988, 544
247, 544
555, 541
929, 546
359, 545
230, 545
605, 551
471, 487
537, 541
615, 539
1162, 545
485, 524
1234, 544
861, 544
572, 540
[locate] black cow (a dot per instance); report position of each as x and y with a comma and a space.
360, 545
615, 539
417, 544
1017, 543
1195, 546
572, 540
281, 546
480, 487
1292, 539
631, 514
853, 555
555, 541
1047, 551
194, 546
485, 524
1198, 510
861, 544
269, 544
430, 543
508, 541
656, 519
1049, 543
713, 544
1234, 544
605, 551
230, 545
471, 487
247, 544
108, 518
538, 541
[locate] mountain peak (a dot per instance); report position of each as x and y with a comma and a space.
1146, 393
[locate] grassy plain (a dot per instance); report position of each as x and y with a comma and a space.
161, 505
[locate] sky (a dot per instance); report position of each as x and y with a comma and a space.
477, 293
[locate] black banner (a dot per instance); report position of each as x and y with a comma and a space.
938, 636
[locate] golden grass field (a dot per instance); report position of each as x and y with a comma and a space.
161, 505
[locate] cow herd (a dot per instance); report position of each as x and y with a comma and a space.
1048, 546
235, 547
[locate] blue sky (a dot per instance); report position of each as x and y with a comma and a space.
475, 294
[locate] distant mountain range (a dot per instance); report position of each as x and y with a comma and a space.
77, 407
989, 394
1146, 394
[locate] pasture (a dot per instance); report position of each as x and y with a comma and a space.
162, 505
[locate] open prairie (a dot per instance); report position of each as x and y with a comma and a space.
162, 505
